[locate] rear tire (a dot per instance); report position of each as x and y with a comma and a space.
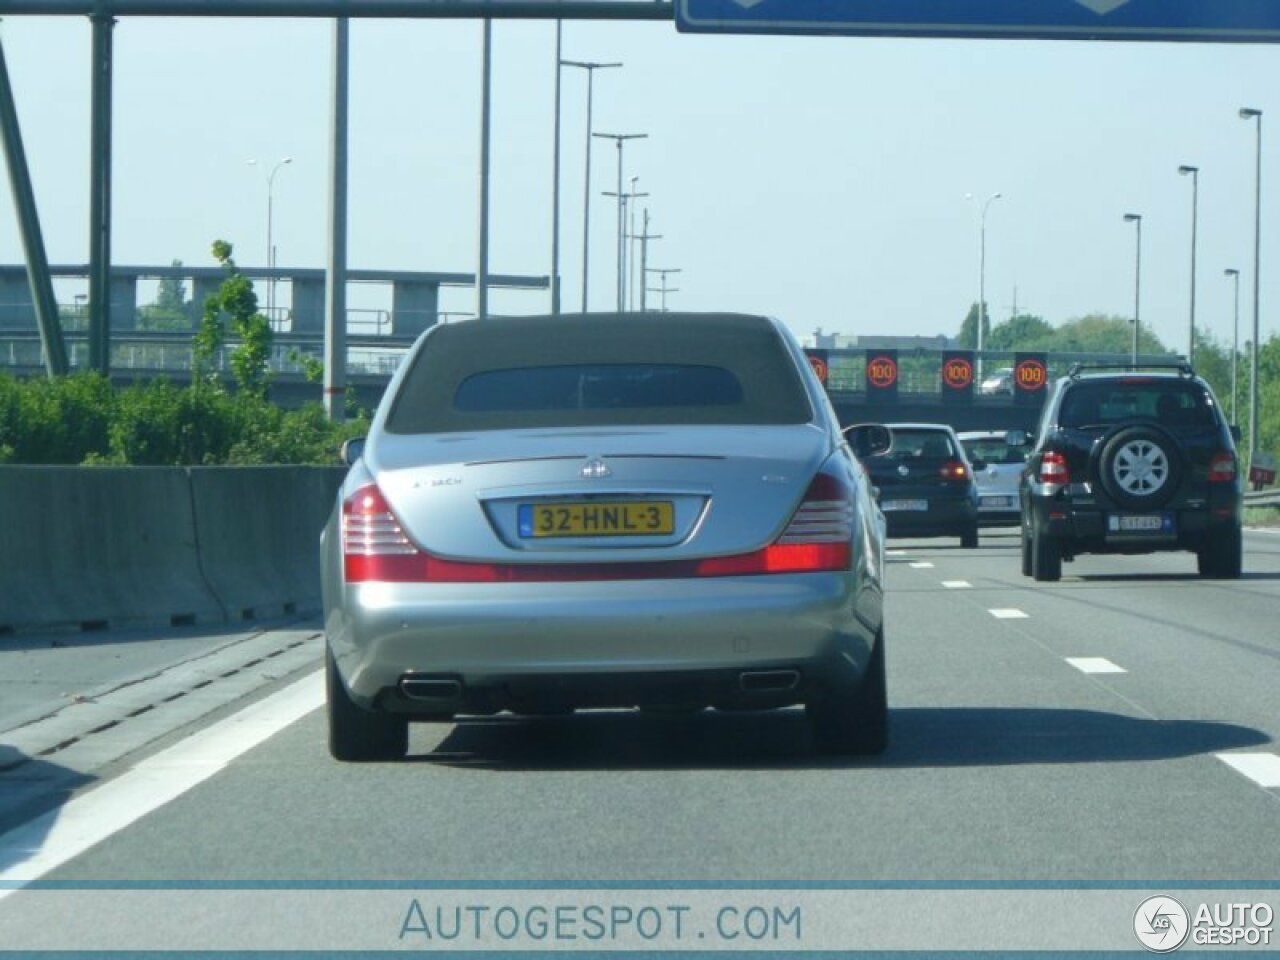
1026, 552
1046, 558
855, 723
1222, 557
969, 539
357, 735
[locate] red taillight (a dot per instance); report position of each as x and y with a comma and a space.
1053, 468
954, 470
818, 538
374, 546
1222, 468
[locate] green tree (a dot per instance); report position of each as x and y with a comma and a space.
1098, 333
172, 292
236, 301
1022, 332
169, 312
967, 339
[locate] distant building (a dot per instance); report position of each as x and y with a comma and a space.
844, 341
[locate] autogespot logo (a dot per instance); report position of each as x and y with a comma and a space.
1161, 924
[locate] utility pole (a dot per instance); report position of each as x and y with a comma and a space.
662, 278
644, 239
624, 269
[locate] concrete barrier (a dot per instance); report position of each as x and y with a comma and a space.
96, 547
99, 546
258, 531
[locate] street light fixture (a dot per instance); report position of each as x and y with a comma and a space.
271, 250
591, 69
662, 273
619, 139
1235, 337
982, 272
1248, 113
1136, 218
1195, 203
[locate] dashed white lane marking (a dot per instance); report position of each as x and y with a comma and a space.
921, 565
957, 584
1095, 665
895, 553
30, 851
1262, 768
1008, 613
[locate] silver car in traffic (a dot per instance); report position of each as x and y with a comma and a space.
603, 511
997, 470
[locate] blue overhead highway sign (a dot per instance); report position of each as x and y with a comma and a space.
1187, 20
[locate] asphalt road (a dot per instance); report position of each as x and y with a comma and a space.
1082, 731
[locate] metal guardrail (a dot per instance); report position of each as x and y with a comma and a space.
1262, 498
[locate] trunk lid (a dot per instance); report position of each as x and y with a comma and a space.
590, 494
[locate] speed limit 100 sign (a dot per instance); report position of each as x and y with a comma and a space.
1031, 375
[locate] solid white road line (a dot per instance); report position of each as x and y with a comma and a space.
1008, 613
921, 565
957, 584
1262, 768
1095, 665
30, 851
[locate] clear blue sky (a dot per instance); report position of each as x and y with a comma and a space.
821, 180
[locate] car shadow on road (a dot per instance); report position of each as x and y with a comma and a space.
1178, 578
31, 790
920, 737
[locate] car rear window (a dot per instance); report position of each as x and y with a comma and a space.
992, 450
1169, 403
513, 373
909, 443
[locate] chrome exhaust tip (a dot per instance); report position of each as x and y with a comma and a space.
762, 681
431, 688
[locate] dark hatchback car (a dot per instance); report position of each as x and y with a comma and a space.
925, 482
1132, 462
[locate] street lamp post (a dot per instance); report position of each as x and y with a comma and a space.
555, 183
982, 272
628, 213
619, 139
1235, 336
1136, 219
1195, 203
591, 69
1248, 113
271, 250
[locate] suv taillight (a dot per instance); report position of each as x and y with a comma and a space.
954, 470
1053, 468
1222, 468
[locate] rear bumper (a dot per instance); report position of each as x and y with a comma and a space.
562, 645
945, 517
1082, 527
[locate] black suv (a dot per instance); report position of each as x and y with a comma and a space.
1131, 462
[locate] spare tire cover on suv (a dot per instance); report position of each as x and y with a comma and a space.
1140, 467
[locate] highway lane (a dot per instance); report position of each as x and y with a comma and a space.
1012, 760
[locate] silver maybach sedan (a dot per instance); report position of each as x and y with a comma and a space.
603, 511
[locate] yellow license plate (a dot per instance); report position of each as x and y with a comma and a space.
598, 518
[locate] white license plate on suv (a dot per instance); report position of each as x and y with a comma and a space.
1148, 523
998, 503
889, 506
